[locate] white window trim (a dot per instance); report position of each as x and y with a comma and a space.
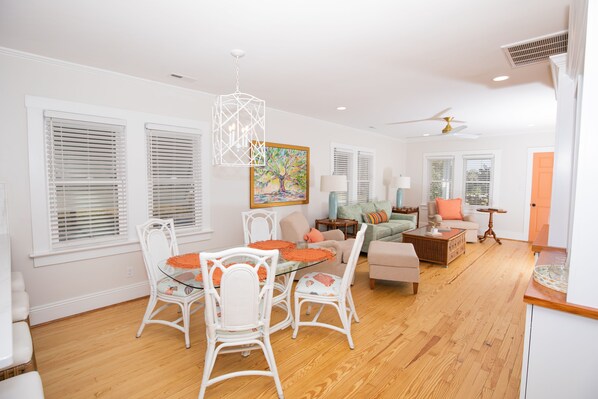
353, 195
459, 175
136, 161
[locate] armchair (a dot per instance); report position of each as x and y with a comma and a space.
295, 226
468, 223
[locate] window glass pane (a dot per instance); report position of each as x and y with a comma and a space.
478, 179
174, 176
86, 180
440, 178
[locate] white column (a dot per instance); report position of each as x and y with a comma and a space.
583, 259
563, 152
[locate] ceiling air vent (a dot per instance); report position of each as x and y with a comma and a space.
537, 50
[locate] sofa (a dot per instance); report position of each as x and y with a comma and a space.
468, 223
294, 227
388, 231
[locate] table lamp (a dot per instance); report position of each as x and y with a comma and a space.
333, 184
401, 182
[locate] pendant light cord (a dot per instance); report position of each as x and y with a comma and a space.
237, 70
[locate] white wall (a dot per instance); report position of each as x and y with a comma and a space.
63, 289
513, 175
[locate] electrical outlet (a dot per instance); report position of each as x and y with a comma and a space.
129, 272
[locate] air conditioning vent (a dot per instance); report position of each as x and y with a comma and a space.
535, 51
183, 77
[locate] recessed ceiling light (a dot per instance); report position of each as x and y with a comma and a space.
531, 125
426, 134
500, 78
341, 108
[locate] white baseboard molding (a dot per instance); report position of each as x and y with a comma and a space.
68, 307
510, 235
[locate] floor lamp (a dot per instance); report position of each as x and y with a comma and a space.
332, 184
401, 183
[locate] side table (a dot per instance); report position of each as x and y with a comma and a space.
406, 210
490, 232
341, 224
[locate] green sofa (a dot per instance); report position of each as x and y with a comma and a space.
390, 231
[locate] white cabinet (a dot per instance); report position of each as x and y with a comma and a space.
560, 358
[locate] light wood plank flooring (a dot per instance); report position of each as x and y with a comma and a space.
460, 337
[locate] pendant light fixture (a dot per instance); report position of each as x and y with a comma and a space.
239, 127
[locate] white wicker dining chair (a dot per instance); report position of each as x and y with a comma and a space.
329, 289
158, 242
238, 313
259, 225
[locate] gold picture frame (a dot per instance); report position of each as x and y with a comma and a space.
284, 180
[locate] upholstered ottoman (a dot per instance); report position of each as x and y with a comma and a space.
393, 261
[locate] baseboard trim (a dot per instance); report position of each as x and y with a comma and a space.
84, 303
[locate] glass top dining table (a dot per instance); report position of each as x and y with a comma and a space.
188, 276
285, 274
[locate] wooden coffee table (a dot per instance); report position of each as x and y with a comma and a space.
442, 249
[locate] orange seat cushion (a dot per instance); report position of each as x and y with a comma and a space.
449, 209
314, 236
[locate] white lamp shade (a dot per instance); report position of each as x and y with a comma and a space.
333, 183
401, 182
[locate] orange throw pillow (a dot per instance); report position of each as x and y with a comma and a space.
449, 209
314, 236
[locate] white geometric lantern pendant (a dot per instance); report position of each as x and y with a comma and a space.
239, 127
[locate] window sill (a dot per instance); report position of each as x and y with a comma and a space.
116, 248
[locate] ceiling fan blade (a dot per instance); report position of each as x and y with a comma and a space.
412, 121
438, 116
422, 136
466, 135
457, 129
456, 121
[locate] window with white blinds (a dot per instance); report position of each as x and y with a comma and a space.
358, 165
343, 165
440, 178
477, 189
86, 181
175, 177
365, 176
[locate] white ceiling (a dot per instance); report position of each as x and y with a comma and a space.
384, 60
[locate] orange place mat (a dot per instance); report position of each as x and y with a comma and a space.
262, 273
307, 254
272, 244
185, 261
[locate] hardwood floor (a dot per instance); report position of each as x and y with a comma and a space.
460, 337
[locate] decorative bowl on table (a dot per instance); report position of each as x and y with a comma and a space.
555, 277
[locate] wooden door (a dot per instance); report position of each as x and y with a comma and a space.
541, 192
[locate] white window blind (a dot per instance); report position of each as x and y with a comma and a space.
343, 165
365, 175
478, 180
440, 178
86, 181
358, 165
175, 177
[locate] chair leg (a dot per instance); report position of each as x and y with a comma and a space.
352, 307
342, 311
269, 353
415, 288
207, 369
151, 304
372, 283
297, 317
186, 308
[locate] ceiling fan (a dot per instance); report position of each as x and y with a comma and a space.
447, 130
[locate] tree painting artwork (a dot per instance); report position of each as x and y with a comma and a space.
284, 180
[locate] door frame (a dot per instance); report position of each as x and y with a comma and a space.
528, 184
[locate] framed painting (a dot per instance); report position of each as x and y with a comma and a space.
284, 180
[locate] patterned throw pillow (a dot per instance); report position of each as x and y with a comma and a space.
375, 217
